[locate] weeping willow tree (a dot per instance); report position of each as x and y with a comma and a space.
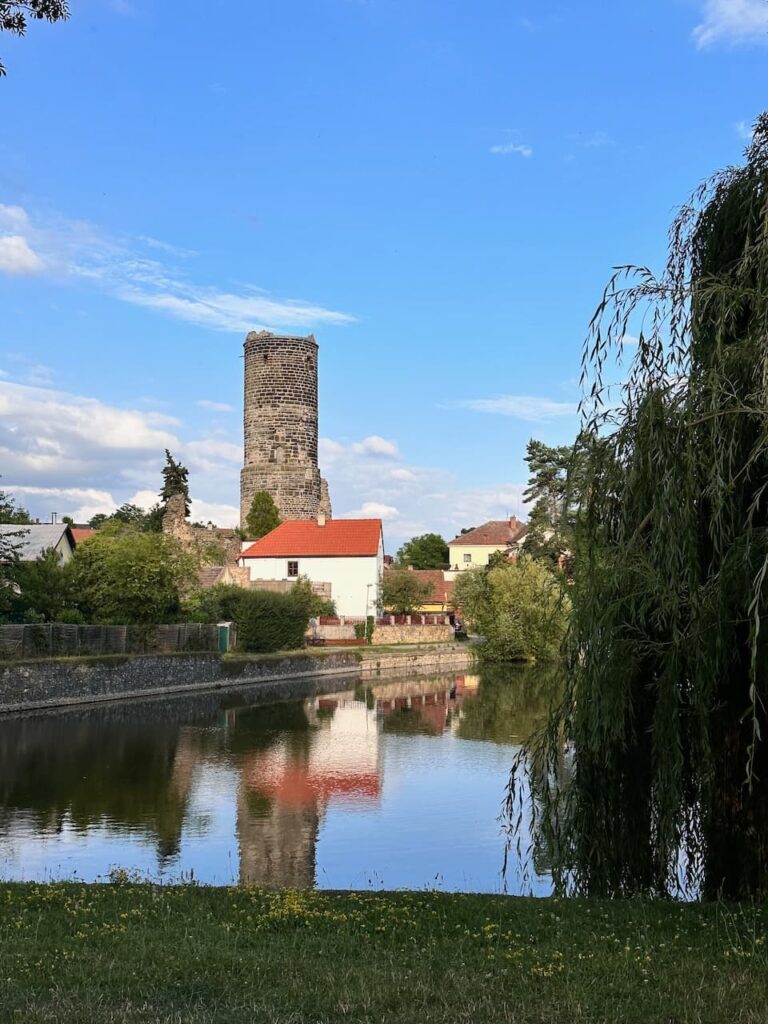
667, 667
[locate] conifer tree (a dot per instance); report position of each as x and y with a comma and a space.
175, 481
263, 516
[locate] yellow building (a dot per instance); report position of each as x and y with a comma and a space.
476, 547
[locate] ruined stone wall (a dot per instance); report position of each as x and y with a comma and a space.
280, 424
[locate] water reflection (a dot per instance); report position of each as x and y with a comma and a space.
400, 785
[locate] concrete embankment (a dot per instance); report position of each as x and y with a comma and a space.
59, 682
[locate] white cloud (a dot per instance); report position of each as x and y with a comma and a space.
206, 403
521, 407
17, 257
509, 148
373, 510
79, 252
744, 130
375, 445
732, 21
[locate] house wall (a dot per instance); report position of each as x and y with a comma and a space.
349, 578
480, 553
64, 549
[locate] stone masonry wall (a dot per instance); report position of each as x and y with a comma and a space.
414, 634
280, 424
59, 682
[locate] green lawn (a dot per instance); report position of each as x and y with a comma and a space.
130, 953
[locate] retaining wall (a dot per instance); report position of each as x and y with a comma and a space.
61, 682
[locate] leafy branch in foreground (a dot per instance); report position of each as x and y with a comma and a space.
667, 676
14, 15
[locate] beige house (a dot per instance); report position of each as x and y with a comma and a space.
476, 547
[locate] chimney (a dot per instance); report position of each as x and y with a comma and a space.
321, 518
513, 523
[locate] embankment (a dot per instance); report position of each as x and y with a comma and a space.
59, 682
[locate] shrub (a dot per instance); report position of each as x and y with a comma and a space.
519, 608
270, 622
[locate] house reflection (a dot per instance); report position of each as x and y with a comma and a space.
144, 769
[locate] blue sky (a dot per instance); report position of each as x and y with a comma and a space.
438, 190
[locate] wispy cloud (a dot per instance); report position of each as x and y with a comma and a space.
79, 252
510, 148
744, 130
732, 21
206, 403
521, 407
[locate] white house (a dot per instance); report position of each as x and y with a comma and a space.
347, 553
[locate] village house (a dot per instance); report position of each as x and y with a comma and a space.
31, 542
348, 554
477, 547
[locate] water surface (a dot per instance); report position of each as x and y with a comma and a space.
396, 786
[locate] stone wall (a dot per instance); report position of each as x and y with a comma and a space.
413, 634
280, 425
61, 682
212, 546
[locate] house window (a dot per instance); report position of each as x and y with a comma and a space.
293, 569
467, 559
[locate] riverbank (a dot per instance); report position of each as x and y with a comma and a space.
129, 954
61, 682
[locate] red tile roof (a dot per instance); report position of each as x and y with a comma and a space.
303, 538
81, 533
497, 532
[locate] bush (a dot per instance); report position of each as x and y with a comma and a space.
519, 608
271, 622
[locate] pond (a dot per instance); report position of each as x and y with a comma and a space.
399, 785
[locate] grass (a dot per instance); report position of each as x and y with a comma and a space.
139, 953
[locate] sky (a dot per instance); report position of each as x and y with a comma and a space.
437, 190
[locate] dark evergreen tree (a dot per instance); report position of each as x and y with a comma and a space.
175, 481
263, 516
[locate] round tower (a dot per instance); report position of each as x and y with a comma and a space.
280, 424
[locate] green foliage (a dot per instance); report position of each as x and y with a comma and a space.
10, 512
267, 621
667, 684
263, 516
364, 630
175, 481
96, 522
130, 577
554, 490
213, 604
429, 551
315, 604
519, 608
44, 590
402, 592
14, 15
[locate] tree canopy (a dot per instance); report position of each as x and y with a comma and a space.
263, 516
428, 551
519, 608
667, 675
127, 576
175, 481
14, 15
402, 592
553, 491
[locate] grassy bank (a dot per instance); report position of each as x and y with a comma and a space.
124, 953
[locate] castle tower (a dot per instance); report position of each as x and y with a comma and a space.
280, 426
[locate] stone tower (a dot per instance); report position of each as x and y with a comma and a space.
280, 426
